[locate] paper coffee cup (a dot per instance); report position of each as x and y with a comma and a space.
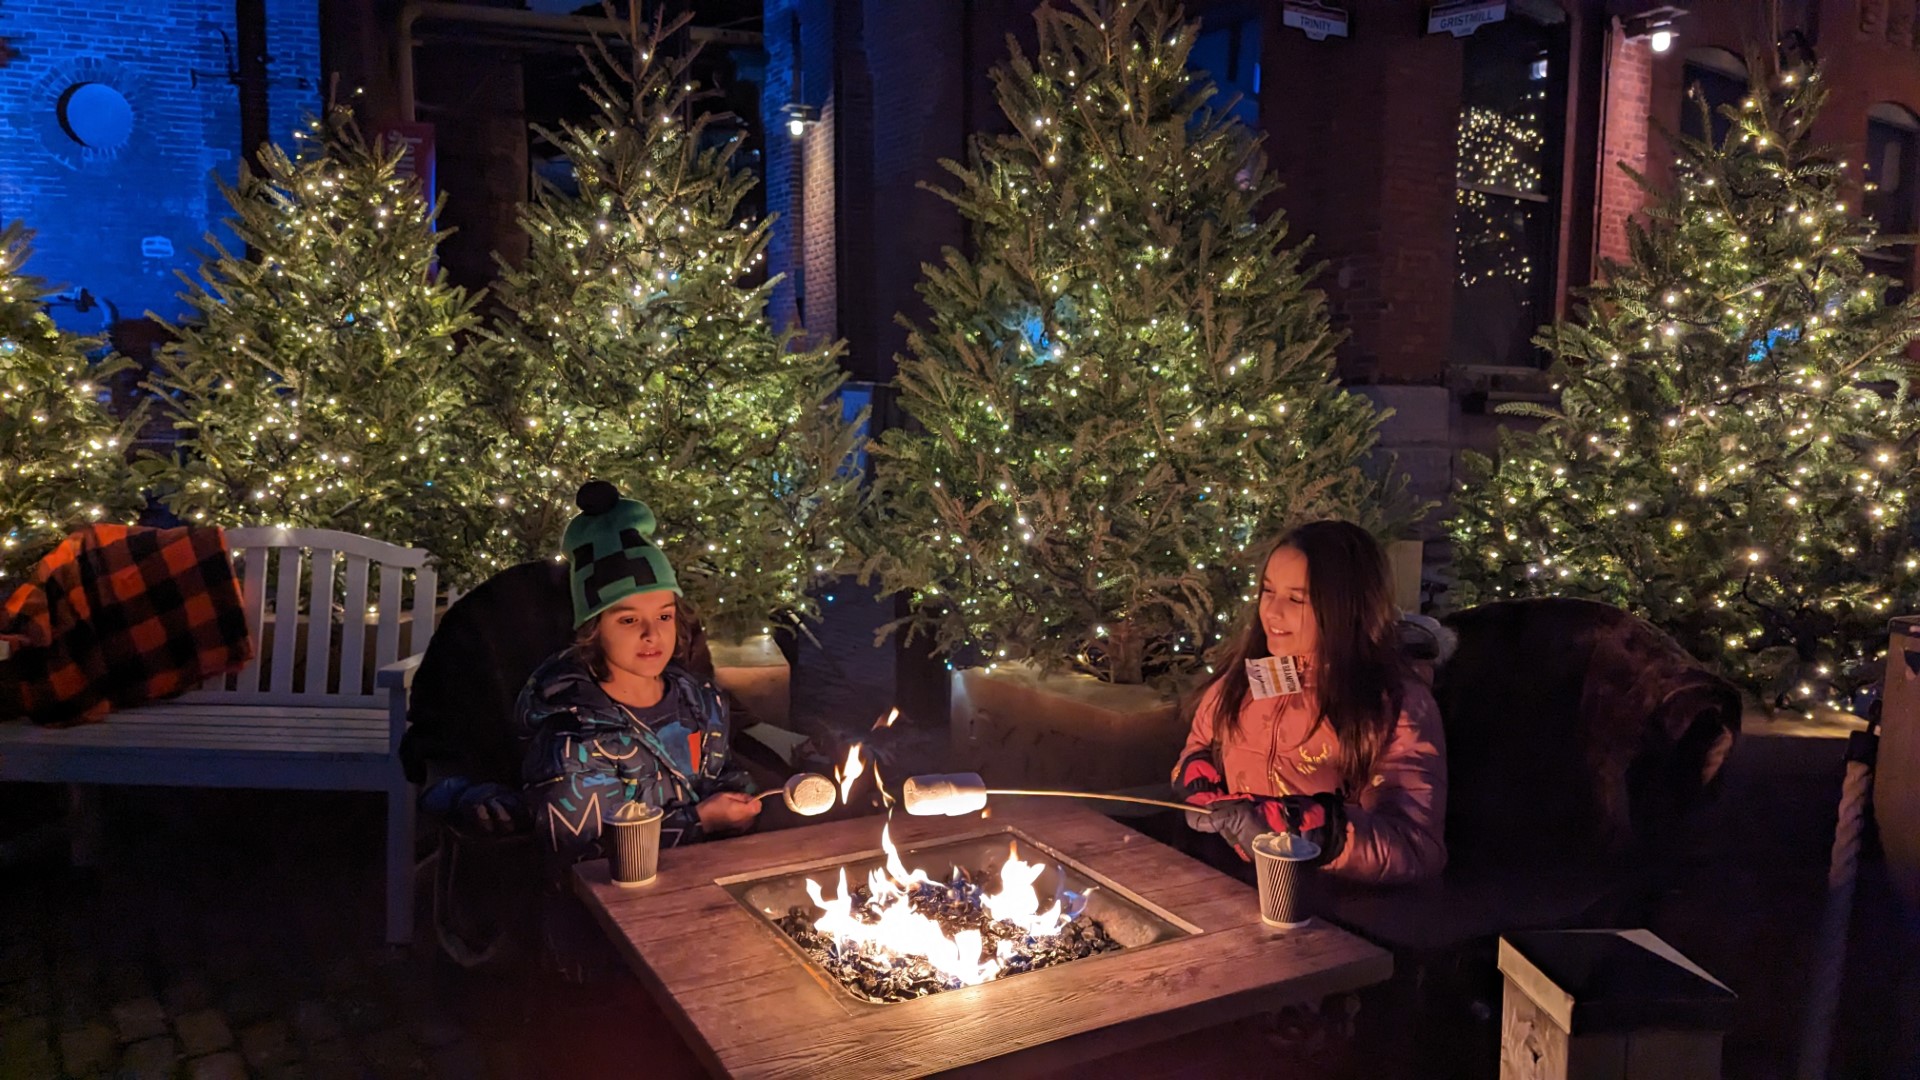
636, 844
1280, 867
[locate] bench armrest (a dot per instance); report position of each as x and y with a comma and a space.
398, 674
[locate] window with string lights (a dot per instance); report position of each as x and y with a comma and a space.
1507, 190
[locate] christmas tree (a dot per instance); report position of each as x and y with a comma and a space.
634, 347
63, 456
320, 384
1734, 441
1127, 384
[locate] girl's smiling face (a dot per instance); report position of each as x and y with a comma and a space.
1286, 606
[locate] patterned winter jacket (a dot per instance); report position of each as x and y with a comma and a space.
588, 755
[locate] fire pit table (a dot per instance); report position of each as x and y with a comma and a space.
704, 936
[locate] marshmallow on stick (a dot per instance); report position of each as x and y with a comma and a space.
807, 794
944, 794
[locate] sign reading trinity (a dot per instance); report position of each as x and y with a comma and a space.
1314, 20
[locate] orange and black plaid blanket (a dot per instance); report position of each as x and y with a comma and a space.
117, 616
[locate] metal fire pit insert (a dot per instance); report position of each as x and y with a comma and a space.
1128, 920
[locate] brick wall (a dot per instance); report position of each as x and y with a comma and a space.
295, 86
1624, 141
1869, 53
119, 220
799, 39
480, 152
1368, 174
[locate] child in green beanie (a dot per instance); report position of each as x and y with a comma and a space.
615, 718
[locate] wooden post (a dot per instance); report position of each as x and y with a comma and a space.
1608, 1005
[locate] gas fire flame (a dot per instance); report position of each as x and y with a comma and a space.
850, 772
891, 928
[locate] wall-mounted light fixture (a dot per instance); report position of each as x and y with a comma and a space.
1655, 25
799, 117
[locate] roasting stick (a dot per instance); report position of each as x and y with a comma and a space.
950, 794
1168, 803
953, 794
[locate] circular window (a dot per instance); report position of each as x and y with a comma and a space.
96, 116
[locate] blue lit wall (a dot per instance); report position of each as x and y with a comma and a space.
115, 115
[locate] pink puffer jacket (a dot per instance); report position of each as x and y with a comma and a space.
1396, 824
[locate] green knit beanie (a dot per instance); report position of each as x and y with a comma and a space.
608, 554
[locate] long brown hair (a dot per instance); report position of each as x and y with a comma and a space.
1358, 674
586, 640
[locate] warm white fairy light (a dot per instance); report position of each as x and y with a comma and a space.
63, 457
1774, 459
1065, 501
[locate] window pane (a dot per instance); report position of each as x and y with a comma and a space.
1502, 138
1230, 54
1889, 176
1507, 178
1716, 88
1497, 300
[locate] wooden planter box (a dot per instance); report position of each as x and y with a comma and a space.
1017, 727
1406, 560
756, 672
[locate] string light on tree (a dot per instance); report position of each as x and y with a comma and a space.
1741, 384
63, 456
1133, 333
633, 345
318, 382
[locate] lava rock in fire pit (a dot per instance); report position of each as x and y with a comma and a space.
957, 905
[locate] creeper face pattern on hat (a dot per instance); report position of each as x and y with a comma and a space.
609, 554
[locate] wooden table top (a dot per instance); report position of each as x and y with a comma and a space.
741, 995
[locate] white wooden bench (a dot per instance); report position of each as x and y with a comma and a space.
334, 731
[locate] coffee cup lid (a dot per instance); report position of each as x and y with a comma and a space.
635, 811
1285, 846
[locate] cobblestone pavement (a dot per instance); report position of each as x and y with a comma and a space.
237, 934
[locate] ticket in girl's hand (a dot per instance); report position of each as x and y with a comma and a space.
1273, 676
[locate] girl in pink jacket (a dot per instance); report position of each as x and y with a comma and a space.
1337, 738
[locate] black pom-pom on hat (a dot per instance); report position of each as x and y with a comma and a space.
596, 497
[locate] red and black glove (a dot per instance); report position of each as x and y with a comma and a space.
1239, 818
1197, 780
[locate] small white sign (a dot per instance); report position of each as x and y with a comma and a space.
156, 247
1273, 676
1317, 22
1462, 18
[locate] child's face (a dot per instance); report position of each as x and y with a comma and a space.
1286, 607
637, 633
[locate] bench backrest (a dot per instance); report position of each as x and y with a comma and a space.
328, 654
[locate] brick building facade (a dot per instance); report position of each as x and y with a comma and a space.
116, 116
1411, 159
